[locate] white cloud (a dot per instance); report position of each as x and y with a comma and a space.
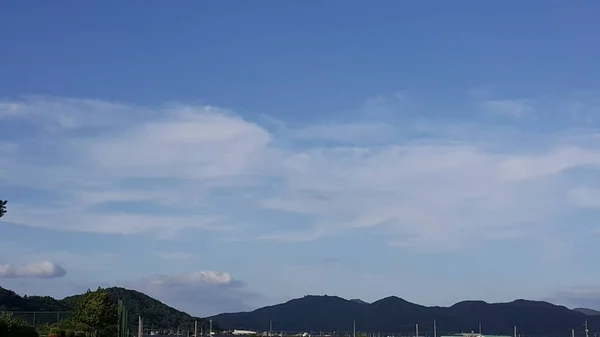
9, 110
585, 197
196, 278
349, 133
428, 194
174, 255
203, 167
87, 263
59, 114
198, 293
203, 143
586, 297
43, 269
517, 109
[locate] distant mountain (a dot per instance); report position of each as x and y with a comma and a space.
356, 300
10, 301
589, 312
156, 314
393, 314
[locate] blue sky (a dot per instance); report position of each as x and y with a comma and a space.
222, 156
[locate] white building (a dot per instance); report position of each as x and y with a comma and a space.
243, 332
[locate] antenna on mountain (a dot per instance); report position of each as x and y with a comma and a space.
586, 328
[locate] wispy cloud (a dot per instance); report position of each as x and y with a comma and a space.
347, 133
174, 255
587, 297
199, 293
517, 109
164, 169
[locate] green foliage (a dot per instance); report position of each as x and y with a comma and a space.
3, 207
45, 329
45, 303
67, 327
54, 329
82, 327
156, 314
15, 327
9, 300
94, 315
97, 311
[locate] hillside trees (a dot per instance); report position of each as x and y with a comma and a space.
97, 311
15, 327
94, 315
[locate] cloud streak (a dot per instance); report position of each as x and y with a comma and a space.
199, 293
586, 297
45, 269
162, 170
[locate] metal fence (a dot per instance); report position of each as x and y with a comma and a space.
40, 317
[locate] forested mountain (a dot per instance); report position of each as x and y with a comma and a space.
10, 301
395, 315
332, 313
155, 313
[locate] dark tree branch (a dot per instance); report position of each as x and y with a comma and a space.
2, 207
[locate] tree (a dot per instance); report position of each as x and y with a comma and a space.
97, 311
2, 207
15, 327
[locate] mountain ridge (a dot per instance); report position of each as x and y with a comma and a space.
394, 314
334, 313
587, 311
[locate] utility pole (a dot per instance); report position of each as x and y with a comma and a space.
434, 329
480, 329
270, 328
354, 328
417, 330
210, 327
195, 328
515, 332
140, 327
572, 332
586, 328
